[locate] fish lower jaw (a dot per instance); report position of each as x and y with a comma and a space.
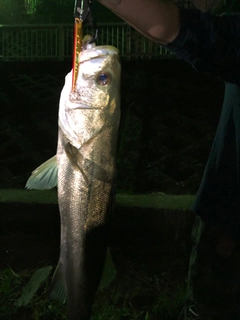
82, 106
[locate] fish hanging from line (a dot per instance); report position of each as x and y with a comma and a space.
84, 170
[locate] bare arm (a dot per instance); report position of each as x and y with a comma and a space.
158, 20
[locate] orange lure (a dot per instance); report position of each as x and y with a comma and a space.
77, 43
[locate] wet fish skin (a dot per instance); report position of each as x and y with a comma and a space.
86, 156
84, 170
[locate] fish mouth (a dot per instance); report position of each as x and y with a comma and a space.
82, 106
97, 52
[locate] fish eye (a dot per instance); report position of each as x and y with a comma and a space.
104, 78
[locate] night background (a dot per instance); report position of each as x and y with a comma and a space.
169, 118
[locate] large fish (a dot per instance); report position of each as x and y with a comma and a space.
86, 157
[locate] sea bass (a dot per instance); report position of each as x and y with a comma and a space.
86, 159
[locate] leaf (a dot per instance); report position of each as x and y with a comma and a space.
38, 277
109, 272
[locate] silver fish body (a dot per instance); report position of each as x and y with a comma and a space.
84, 170
86, 158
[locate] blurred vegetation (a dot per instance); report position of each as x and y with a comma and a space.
25, 295
47, 11
12, 12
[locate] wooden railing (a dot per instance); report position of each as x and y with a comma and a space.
54, 42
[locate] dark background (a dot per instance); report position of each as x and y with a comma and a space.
169, 117
48, 11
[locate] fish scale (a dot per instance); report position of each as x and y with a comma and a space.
83, 238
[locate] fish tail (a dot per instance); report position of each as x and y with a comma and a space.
57, 288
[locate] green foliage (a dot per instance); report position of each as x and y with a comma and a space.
33, 285
31, 5
12, 11
25, 296
9, 289
141, 297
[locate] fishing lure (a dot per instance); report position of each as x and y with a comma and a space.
82, 12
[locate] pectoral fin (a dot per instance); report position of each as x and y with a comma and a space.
45, 176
